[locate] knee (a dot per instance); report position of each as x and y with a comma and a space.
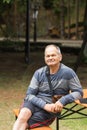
24, 114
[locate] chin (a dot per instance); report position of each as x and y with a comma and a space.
51, 65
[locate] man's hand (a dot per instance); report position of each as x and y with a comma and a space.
50, 107
58, 106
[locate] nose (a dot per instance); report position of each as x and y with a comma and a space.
50, 57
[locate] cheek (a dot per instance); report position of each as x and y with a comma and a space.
60, 58
45, 59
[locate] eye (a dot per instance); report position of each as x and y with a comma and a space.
53, 55
47, 56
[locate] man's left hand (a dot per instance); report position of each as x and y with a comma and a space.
58, 106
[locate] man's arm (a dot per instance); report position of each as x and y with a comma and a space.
76, 91
69, 98
33, 90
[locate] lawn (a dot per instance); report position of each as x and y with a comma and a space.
15, 76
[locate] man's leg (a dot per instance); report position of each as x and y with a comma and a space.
21, 122
40, 118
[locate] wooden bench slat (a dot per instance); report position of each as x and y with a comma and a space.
42, 128
16, 112
84, 96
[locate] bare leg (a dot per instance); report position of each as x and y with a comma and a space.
21, 122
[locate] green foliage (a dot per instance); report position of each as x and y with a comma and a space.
56, 7
48, 4
7, 1
13, 16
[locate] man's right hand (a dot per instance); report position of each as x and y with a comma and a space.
50, 107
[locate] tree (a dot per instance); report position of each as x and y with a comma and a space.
85, 32
62, 18
69, 18
63, 15
83, 50
7, 1
48, 4
77, 17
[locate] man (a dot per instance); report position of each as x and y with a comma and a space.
38, 108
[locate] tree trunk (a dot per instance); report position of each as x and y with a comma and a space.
77, 17
62, 18
84, 44
69, 19
15, 17
85, 31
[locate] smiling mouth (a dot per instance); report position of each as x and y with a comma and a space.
51, 62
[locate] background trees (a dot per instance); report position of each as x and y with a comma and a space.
56, 18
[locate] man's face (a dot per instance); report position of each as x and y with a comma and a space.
52, 57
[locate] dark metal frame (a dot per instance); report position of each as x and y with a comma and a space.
70, 111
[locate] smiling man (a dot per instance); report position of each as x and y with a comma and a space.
39, 109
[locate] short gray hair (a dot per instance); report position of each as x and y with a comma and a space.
57, 47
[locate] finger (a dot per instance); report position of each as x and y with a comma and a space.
58, 109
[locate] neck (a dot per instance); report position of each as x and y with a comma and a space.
54, 69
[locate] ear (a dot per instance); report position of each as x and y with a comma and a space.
60, 57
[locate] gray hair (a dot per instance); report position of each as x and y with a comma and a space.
57, 47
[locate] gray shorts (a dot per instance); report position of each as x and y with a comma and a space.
39, 116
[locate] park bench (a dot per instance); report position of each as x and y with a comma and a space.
68, 111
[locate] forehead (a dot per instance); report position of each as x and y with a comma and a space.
51, 49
